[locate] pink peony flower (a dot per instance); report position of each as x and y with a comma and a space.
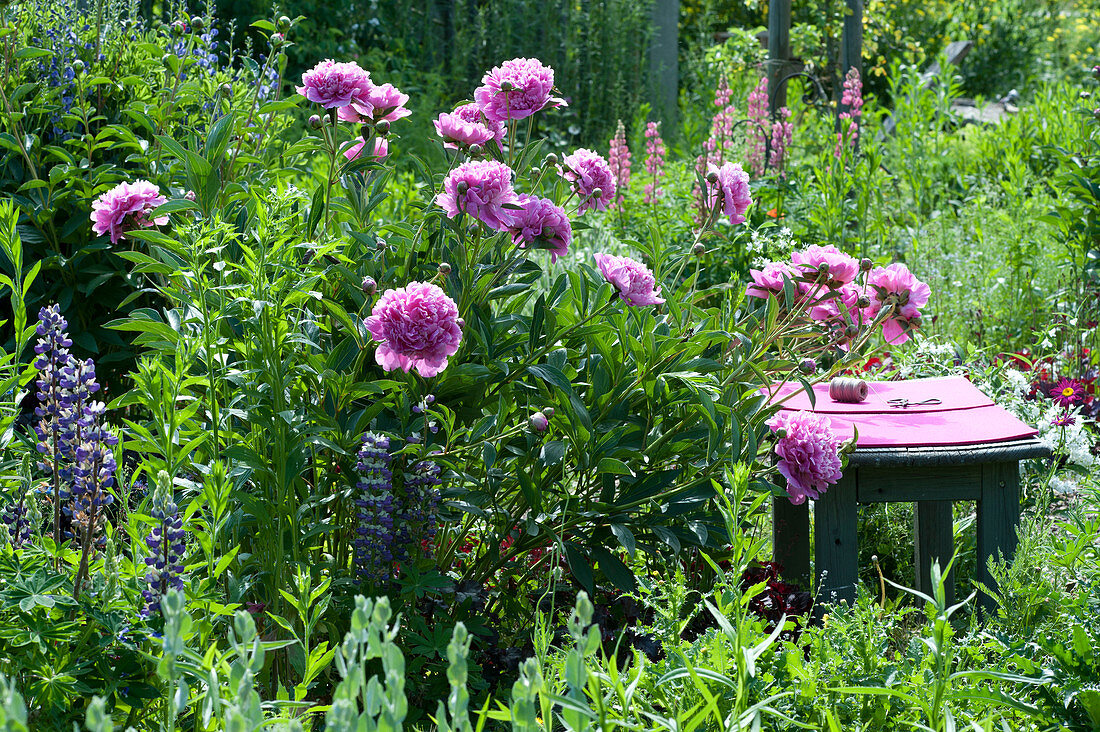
840, 268
769, 281
458, 133
480, 188
334, 85
417, 327
381, 148
473, 113
382, 102
530, 82
833, 305
809, 454
897, 291
733, 187
543, 224
632, 279
125, 207
591, 178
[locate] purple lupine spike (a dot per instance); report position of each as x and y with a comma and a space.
167, 544
56, 411
93, 472
17, 518
93, 477
374, 545
420, 519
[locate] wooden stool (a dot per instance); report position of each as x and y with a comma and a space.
927, 441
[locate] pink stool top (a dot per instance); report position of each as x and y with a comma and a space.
963, 416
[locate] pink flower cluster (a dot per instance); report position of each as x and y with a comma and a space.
334, 85
517, 89
717, 145
654, 161
730, 191
758, 123
618, 160
851, 100
782, 135
779, 131
633, 280
417, 326
377, 103
897, 295
808, 452
480, 188
126, 207
591, 179
348, 89
542, 224
825, 282
467, 126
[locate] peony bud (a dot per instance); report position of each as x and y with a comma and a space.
461, 187
380, 244
461, 322
863, 302
369, 286
178, 28
712, 177
476, 150
283, 23
506, 86
536, 172
277, 39
551, 159
227, 89
383, 127
78, 67
866, 264
444, 268
198, 23
808, 366
699, 250
315, 122
852, 330
538, 422
549, 412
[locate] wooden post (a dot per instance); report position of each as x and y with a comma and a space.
998, 516
779, 50
933, 541
664, 69
836, 547
791, 540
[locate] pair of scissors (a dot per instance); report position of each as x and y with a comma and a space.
905, 403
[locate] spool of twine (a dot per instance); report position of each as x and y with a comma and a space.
844, 389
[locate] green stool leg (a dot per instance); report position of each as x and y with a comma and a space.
933, 541
835, 542
998, 516
791, 540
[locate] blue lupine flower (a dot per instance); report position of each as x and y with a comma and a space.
167, 544
374, 555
